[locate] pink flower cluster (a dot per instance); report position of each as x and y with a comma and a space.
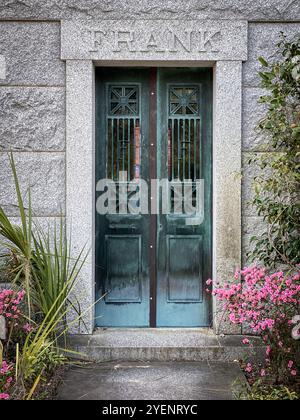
6, 380
267, 304
9, 303
252, 300
28, 328
291, 368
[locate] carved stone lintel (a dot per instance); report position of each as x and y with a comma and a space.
154, 40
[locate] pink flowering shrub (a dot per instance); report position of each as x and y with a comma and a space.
267, 303
9, 303
6, 380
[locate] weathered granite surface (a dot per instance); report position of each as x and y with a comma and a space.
158, 40
80, 177
32, 114
32, 118
3, 67
44, 173
250, 171
262, 40
253, 112
227, 183
168, 9
252, 226
32, 53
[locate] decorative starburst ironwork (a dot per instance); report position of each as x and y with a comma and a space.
184, 100
124, 100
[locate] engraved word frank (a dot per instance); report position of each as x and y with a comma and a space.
166, 41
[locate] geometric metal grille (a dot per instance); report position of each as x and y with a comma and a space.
124, 100
184, 133
184, 100
123, 133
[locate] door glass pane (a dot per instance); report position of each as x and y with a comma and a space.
184, 135
123, 132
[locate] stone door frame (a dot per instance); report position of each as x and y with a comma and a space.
80, 137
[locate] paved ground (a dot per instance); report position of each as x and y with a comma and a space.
151, 381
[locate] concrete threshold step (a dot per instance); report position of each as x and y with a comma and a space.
161, 345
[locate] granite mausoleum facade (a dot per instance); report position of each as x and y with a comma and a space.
49, 51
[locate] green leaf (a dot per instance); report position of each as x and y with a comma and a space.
263, 62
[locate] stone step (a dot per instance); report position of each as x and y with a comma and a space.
162, 345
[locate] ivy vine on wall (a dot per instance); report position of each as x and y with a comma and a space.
277, 185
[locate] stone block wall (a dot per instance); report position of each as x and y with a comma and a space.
254, 10
32, 116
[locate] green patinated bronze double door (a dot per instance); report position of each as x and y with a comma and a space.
152, 267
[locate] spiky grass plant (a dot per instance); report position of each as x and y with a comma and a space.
45, 269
